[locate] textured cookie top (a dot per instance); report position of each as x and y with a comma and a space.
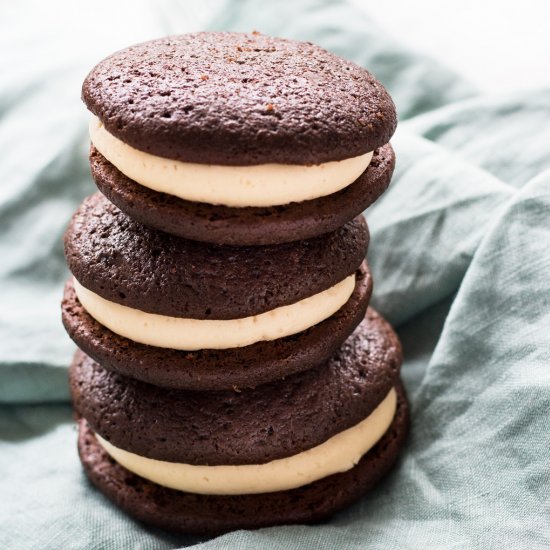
246, 427
133, 265
239, 99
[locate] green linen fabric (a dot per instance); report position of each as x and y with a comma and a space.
460, 254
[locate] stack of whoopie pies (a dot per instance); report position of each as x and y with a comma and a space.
230, 374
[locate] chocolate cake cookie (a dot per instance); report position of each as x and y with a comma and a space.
238, 139
239, 99
294, 421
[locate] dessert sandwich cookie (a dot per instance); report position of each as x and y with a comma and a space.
190, 315
292, 451
238, 139
230, 372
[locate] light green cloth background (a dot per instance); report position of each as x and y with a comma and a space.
460, 254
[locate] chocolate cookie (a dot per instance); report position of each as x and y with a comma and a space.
239, 99
212, 515
210, 369
130, 264
241, 427
243, 226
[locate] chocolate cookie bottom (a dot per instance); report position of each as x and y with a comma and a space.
206, 369
248, 225
211, 514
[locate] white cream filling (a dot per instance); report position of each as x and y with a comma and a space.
236, 186
338, 454
193, 334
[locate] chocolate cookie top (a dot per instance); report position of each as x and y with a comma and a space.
250, 426
239, 99
243, 226
130, 264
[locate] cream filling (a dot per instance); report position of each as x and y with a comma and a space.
338, 454
236, 186
193, 334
